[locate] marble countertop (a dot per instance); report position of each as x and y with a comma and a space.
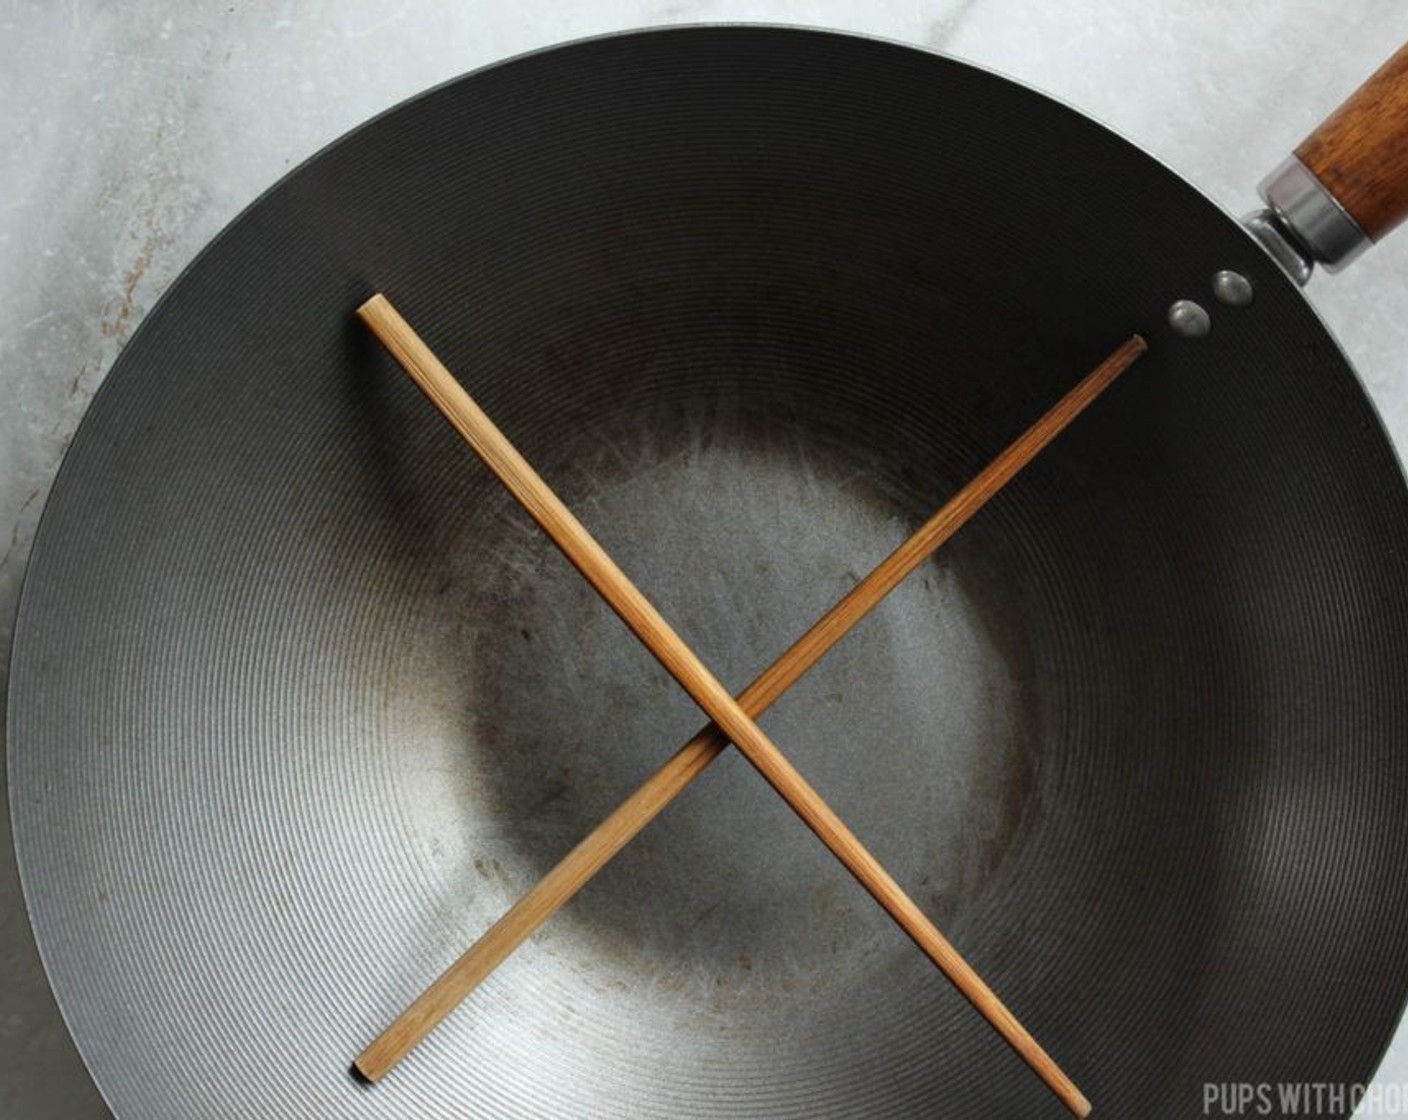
133, 133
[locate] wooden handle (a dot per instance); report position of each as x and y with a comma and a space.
680, 661
559, 885
1360, 153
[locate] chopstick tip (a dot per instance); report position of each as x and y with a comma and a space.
361, 1075
374, 303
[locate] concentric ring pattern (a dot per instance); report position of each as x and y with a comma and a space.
300, 703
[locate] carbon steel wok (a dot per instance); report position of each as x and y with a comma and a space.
300, 703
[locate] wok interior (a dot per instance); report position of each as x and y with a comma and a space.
1130, 738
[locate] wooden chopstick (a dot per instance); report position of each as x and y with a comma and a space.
437, 383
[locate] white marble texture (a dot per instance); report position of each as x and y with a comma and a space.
130, 134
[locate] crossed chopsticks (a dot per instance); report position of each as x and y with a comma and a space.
733, 719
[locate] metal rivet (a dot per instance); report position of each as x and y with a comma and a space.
1189, 319
1232, 288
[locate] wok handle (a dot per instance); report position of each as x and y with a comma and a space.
1360, 152
1346, 186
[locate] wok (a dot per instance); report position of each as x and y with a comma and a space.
300, 703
